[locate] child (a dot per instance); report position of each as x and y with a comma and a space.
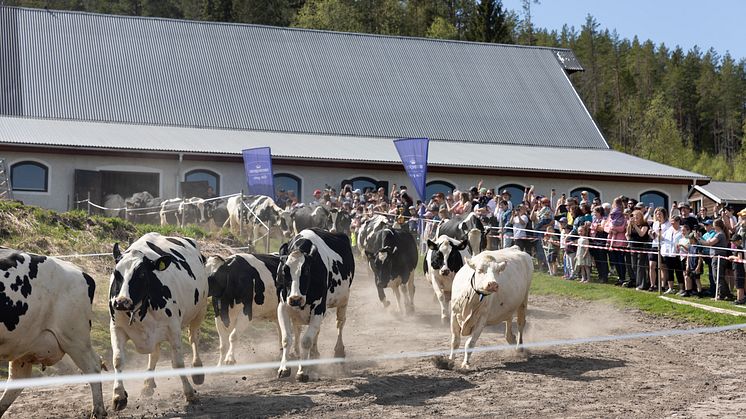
693, 267
569, 248
551, 249
584, 259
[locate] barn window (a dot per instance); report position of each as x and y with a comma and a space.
29, 176
290, 184
592, 193
204, 175
364, 183
516, 192
438, 186
657, 198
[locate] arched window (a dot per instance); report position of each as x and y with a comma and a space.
29, 176
287, 185
592, 193
363, 183
212, 178
438, 186
658, 199
515, 191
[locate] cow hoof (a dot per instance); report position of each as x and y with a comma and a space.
386, 304
192, 397
147, 391
465, 365
119, 403
283, 373
230, 362
99, 413
198, 379
302, 378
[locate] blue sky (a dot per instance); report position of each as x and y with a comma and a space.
717, 23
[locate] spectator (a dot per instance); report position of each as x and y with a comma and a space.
707, 259
660, 224
616, 227
671, 261
694, 266
317, 199
718, 250
584, 198
560, 209
569, 247
505, 195
551, 249
737, 260
520, 221
740, 227
598, 241
639, 237
687, 218
583, 258
702, 215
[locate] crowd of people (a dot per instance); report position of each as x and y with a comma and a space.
579, 238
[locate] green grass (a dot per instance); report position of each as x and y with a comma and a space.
647, 302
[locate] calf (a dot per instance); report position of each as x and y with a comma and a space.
443, 259
242, 283
490, 289
315, 273
465, 227
158, 287
45, 313
392, 265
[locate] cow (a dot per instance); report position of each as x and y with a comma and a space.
309, 217
341, 220
445, 256
141, 208
315, 274
216, 212
192, 211
491, 288
393, 264
170, 206
367, 231
159, 286
462, 227
45, 313
257, 210
243, 285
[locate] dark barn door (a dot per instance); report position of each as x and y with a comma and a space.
87, 181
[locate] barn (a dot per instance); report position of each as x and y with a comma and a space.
95, 104
711, 195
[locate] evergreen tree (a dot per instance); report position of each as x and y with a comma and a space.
490, 23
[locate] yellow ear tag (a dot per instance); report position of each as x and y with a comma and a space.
162, 266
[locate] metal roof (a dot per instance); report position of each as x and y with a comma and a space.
93, 67
108, 136
732, 192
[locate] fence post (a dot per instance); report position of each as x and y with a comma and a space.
88, 203
241, 210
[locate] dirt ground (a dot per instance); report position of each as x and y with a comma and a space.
686, 376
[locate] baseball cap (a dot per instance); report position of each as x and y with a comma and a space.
482, 190
707, 222
683, 205
639, 205
505, 192
316, 191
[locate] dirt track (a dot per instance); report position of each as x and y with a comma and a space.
687, 376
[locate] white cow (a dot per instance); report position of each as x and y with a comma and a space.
491, 288
45, 313
158, 287
170, 206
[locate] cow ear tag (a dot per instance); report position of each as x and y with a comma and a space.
161, 266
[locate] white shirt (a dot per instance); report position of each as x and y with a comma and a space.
669, 240
519, 225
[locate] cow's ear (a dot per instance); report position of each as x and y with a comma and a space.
463, 244
313, 250
117, 253
431, 245
470, 263
162, 263
283, 249
501, 266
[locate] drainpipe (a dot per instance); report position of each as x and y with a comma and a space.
178, 176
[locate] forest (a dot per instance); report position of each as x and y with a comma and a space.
682, 108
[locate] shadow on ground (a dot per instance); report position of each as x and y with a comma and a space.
405, 389
571, 368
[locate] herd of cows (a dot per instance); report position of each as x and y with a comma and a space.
161, 285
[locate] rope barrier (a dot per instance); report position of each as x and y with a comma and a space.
141, 375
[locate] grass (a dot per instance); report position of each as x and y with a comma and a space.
621, 297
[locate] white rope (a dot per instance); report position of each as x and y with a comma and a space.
141, 375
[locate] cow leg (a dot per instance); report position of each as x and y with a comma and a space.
409, 287
315, 354
399, 302
149, 386
194, 341
382, 297
230, 359
177, 361
296, 343
339, 348
471, 341
509, 335
521, 320
286, 339
18, 370
223, 334
89, 363
314, 325
455, 336
442, 300
118, 340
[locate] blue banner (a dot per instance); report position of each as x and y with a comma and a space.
413, 153
258, 165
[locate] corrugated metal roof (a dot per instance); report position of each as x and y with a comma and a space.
732, 192
82, 66
56, 133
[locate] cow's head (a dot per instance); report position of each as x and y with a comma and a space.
286, 223
134, 282
340, 221
381, 263
294, 275
486, 271
215, 282
445, 257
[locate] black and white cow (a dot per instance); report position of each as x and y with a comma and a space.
341, 220
465, 227
445, 256
309, 217
158, 287
241, 284
262, 211
392, 265
45, 313
315, 273
216, 212
368, 229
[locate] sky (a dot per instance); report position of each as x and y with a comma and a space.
716, 23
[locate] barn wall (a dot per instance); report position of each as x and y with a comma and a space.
62, 169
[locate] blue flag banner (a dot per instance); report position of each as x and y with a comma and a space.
258, 165
413, 153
